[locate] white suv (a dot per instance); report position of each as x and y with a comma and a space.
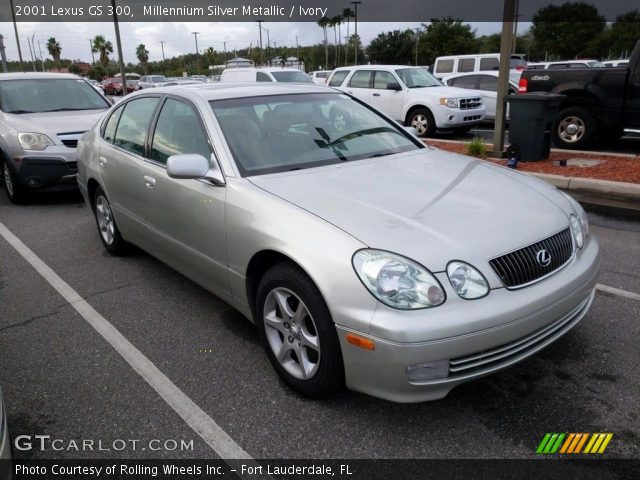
412, 96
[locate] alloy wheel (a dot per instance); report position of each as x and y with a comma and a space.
420, 123
7, 179
105, 219
571, 129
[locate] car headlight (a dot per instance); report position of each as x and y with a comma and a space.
34, 141
576, 229
449, 102
582, 217
467, 281
397, 281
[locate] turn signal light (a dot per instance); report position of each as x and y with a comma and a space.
361, 342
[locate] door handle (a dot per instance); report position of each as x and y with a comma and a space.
149, 182
375, 94
102, 161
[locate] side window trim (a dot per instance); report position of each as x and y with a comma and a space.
103, 127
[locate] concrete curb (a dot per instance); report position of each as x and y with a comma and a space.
603, 193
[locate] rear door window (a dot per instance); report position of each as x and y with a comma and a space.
488, 83
361, 79
489, 64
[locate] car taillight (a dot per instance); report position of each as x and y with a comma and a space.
522, 85
519, 67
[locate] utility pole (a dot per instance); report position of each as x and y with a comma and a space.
195, 34
119, 45
355, 21
297, 52
268, 47
15, 29
31, 52
275, 49
260, 30
41, 56
506, 39
93, 58
225, 52
162, 47
417, 37
2, 55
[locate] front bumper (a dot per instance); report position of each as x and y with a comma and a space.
49, 170
456, 118
472, 339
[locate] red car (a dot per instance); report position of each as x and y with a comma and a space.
111, 85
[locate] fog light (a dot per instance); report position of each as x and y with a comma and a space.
428, 371
451, 118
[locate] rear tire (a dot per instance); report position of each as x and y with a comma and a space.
574, 128
298, 332
15, 191
107, 228
422, 120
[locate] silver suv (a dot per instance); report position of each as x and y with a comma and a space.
42, 116
150, 81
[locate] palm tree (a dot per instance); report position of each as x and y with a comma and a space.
103, 47
143, 56
324, 23
347, 14
54, 50
335, 22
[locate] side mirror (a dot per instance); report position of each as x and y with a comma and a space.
193, 166
394, 86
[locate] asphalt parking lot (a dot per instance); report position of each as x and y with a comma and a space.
61, 378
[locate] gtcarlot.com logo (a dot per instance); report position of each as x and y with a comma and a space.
571, 443
45, 442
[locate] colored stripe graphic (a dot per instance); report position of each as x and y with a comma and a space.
572, 443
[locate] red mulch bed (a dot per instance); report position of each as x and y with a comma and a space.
617, 169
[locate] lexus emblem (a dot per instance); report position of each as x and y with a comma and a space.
543, 257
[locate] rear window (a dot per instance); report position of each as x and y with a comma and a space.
338, 78
291, 77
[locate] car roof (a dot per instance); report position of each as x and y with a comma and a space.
222, 91
375, 67
262, 69
36, 76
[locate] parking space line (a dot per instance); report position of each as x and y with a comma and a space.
618, 292
201, 423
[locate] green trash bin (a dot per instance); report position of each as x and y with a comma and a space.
531, 118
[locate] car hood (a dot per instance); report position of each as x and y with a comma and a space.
429, 205
446, 92
55, 122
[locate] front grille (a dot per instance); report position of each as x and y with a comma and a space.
522, 267
509, 353
469, 103
70, 143
471, 118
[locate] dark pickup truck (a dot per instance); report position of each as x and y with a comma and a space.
601, 102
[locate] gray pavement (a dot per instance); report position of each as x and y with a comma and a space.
60, 378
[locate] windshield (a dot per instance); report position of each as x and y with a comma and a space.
49, 95
290, 132
291, 77
417, 78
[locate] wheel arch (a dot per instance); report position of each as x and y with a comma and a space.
413, 108
92, 186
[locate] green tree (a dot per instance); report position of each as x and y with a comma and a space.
618, 40
567, 31
143, 56
53, 46
397, 47
347, 14
324, 24
103, 47
447, 36
73, 68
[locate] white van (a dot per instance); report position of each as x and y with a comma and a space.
265, 74
320, 76
449, 65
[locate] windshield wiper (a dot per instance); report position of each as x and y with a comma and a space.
20, 111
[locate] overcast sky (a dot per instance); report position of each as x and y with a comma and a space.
74, 37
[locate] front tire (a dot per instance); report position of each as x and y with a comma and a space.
15, 191
298, 332
574, 128
107, 228
422, 120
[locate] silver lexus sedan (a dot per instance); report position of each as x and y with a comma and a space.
363, 257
